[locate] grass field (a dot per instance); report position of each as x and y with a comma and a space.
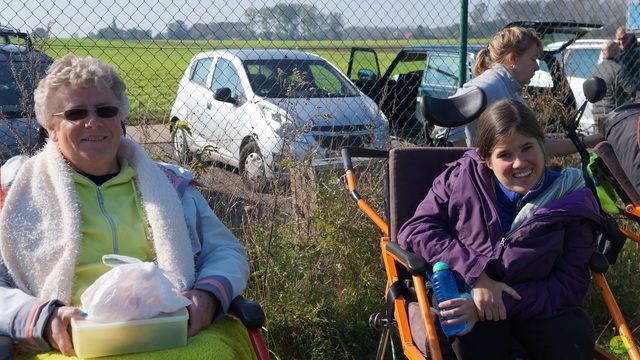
152, 69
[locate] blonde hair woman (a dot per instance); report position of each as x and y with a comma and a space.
501, 70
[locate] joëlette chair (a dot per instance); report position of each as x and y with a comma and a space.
408, 177
609, 174
618, 199
410, 173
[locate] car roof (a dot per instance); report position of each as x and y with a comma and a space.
443, 47
14, 52
568, 31
588, 44
8, 32
262, 54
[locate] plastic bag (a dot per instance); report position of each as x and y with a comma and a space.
133, 289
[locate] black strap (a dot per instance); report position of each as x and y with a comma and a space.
397, 289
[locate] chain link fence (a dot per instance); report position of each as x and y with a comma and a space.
256, 130
151, 44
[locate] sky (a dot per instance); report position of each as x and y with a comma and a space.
72, 17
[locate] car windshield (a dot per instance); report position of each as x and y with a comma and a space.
581, 62
16, 85
297, 79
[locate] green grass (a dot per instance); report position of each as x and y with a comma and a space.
152, 69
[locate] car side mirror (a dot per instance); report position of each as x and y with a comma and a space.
594, 89
224, 95
365, 75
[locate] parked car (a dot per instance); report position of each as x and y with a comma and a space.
252, 108
21, 66
434, 69
579, 60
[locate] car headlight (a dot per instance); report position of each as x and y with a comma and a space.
278, 121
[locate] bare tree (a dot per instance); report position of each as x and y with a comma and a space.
177, 30
479, 14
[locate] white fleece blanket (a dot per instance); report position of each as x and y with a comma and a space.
40, 222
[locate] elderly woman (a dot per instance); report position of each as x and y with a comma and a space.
92, 192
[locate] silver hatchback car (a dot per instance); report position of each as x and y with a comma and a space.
252, 108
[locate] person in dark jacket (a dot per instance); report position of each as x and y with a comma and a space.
518, 235
621, 84
630, 50
620, 128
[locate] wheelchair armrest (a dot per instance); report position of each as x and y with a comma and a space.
248, 311
415, 263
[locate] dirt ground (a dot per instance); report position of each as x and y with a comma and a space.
222, 185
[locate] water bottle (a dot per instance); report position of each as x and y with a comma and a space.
445, 287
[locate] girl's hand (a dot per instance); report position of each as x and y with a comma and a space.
464, 307
487, 296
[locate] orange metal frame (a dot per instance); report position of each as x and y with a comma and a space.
408, 345
409, 348
633, 213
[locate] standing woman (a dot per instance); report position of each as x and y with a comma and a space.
501, 70
518, 235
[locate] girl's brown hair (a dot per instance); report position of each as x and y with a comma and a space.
503, 119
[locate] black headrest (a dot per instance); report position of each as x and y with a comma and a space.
456, 110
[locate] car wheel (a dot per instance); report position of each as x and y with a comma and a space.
181, 150
252, 168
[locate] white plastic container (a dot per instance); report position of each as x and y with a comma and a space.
94, 339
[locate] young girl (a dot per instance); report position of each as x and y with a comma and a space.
519, 236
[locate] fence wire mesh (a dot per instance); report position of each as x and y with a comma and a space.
151, 43
244, 139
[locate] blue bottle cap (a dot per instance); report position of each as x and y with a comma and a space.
440, 265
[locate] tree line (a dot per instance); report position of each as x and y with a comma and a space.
307, 22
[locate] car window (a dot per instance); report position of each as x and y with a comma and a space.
325, 79
297, 78
225, 75
442, 70
410, 63
581, 62
200, 71
16, 84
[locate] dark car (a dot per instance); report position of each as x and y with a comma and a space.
21, 66
434, 69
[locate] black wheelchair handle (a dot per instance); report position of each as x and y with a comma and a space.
415, 263
349, 152
248, 311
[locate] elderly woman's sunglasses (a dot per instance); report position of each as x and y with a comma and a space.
108, 111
